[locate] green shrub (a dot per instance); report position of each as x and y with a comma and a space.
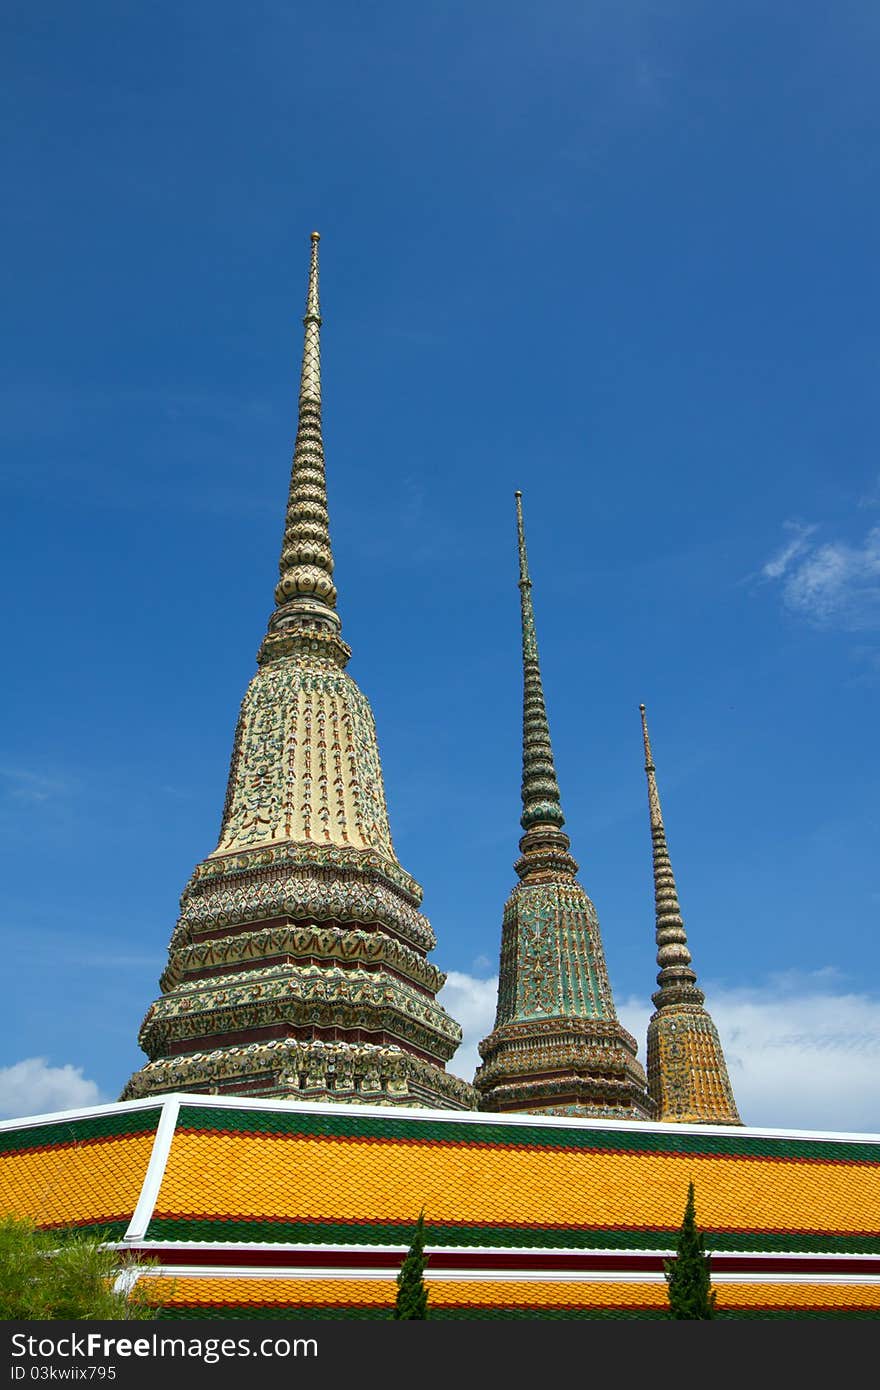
64, 1274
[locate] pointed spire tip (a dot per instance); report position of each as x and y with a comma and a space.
306, 593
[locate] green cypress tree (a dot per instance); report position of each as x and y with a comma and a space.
690, 1293
412, 1296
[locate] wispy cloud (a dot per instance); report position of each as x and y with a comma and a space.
775, 568
835, 584
33, 1087
74, 951
803, 1050
406, 511
178, 793
35, 408
21, 785
872, 496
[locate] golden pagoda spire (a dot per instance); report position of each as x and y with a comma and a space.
687, 1073
305, 595
299, 964
677, 981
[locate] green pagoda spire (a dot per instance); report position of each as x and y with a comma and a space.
687, 1073
557, 1046
298, 967
540, 789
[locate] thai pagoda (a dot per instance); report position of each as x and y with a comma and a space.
687, 1073
557, 1046
298, 971
299, 964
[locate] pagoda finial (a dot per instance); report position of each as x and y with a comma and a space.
677, 980
305, 595
310, 380
540, 789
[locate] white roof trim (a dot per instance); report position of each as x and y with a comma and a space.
467, 1117
137, 1227
301, 1252
495, 1276
85, 1113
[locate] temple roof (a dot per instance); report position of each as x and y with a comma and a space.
310, 1207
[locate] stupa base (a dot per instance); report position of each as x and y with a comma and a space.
285, 1069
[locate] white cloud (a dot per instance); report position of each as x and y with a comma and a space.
832, 584
810, 1059
33, 1087
803, 1051
471, 1002
839, 583
775, 568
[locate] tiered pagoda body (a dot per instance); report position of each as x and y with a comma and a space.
298, 967
557, 1046
687, 1073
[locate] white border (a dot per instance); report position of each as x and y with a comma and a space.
86, 1113
478, 1276
468, 1117
301, 1253
137, 1226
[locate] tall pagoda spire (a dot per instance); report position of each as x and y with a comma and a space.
305, 595
540, 789
557, 1046
687, 1073
298, 966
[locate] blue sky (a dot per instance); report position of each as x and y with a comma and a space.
622, 258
